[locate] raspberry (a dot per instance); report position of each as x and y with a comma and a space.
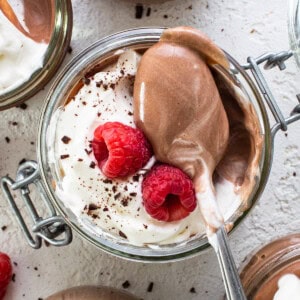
120, 150
5, 273
168, 193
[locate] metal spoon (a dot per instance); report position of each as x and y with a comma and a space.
233, 286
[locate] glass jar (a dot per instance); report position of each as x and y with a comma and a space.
54, 55
262, 270
294, 28
106, 50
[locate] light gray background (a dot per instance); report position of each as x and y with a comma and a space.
242, 28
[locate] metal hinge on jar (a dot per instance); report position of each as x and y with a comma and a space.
52, 229
272, 60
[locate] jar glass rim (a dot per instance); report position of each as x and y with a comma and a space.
74, 69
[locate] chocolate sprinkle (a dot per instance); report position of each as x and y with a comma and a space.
192, 290
126, 284
7, 139
139, 10
13, 277
65, 139
63, 156
132, 194
3, 228
150, 287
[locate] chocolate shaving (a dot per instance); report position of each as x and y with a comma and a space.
133, 194
192, 290
88, 152
3, 228
136, 177
116, 196
107, 181
65, 139
122, 234
93, 206
126, 284
22, 161
63, 156
13, 277
150, 287
23, 106
92, 165
86, 80
7, 139
148, 12
124, 202
139, 10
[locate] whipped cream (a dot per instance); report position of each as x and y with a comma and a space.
113, 207
289, 288
20, 56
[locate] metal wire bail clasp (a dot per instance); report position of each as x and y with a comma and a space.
272, 60
53, 229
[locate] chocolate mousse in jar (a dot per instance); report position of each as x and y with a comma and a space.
95, 94
273, 272
35, 37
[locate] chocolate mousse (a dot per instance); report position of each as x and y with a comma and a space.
91, 293
194, 114
264, 270
38, 18
187, 106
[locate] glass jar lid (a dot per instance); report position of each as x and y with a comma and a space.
294, 28
34, 38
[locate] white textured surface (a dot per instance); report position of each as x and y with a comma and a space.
242, 28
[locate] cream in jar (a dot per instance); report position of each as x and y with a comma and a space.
25, 31
114, 207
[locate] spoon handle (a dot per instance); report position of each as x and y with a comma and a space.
233, 286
